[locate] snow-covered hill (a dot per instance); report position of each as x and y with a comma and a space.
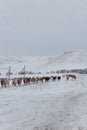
68, 60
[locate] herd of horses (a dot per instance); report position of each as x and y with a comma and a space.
31, 80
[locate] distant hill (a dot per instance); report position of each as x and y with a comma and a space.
68, 60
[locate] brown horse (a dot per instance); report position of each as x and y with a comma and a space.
19, 81
14, 82
5, 82
73, 76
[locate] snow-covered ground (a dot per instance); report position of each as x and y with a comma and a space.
69, 60
59, 105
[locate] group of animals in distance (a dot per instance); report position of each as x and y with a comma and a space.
28, 80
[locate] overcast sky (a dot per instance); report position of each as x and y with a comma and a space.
42, 27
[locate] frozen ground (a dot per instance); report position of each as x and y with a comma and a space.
45, 106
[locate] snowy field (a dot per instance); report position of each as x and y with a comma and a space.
59, 105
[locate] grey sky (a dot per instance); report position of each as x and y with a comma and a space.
42, 27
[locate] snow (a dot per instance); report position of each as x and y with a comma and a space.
59, 105
69, 60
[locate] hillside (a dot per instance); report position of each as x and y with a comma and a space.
69, 60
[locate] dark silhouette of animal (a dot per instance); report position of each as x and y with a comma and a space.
73, 76
46, 79
32, 80
14, 82
41, 79
54, 78
4, 82
26, 80
19, 81
59, 77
